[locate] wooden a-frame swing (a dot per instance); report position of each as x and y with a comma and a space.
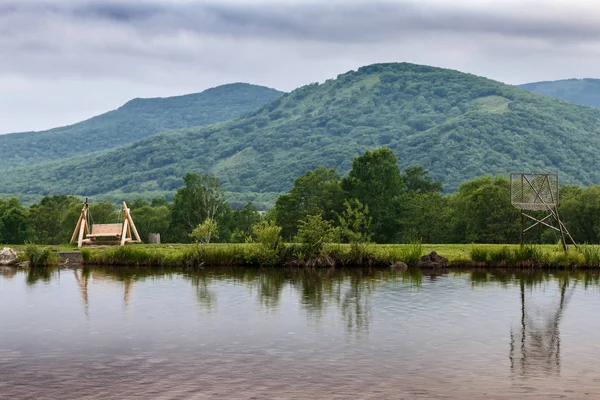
120, 232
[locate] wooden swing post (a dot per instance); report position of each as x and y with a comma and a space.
82, 227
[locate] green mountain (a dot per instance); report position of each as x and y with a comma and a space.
579, 91
457, 125
137, 119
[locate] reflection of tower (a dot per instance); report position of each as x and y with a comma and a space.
538, 346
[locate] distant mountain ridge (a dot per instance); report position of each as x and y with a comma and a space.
136, 119
579, 91
456, 125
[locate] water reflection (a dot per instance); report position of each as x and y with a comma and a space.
273, 333
206, 298
536, 348
45, 275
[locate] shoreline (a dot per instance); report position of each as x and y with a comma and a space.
396, 256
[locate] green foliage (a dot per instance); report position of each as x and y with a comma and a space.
412, 254
134, 256
240, 223
40, 256
200, 199
427, 216
151, 219
316, 192
458, 126
528, 252
591, 253
375, 181
313, 233
483, 212
580, 211
205, 231
479, 254
268, 235
479, 213
500, 255
355, 222
103, 213
13, 221
417, 179
53, 220
137, 119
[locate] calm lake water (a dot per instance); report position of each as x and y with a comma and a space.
245, 334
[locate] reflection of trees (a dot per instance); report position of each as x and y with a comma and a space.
270, 285
35, 275
349, 290
205, 297
356, 305
538, 346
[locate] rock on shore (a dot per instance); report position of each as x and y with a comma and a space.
433, 260
8, 257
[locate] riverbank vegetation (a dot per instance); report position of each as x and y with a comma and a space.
185, 257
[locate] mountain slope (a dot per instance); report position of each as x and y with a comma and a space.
137, 119
457, 125
579, 91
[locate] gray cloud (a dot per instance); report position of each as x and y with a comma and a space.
335, 21
54, 53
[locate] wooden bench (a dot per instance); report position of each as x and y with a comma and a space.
106, 230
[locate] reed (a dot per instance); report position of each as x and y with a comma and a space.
591, 253
39, 256
412, 254
479, 254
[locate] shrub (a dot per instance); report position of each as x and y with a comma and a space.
206, 231
355, 222
313, 233
267, 235
502, 254
40, 256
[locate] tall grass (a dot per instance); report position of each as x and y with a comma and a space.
39, 257
412, 254
479, 254
527, 254
500, 255
591, 253
339, 255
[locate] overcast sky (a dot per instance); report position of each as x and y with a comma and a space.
62, 61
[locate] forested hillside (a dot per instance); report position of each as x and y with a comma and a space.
579, 91
137, 119
458, 126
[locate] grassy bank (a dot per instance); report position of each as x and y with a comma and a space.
334, 255
340, 255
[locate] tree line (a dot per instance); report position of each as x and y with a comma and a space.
375, 202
